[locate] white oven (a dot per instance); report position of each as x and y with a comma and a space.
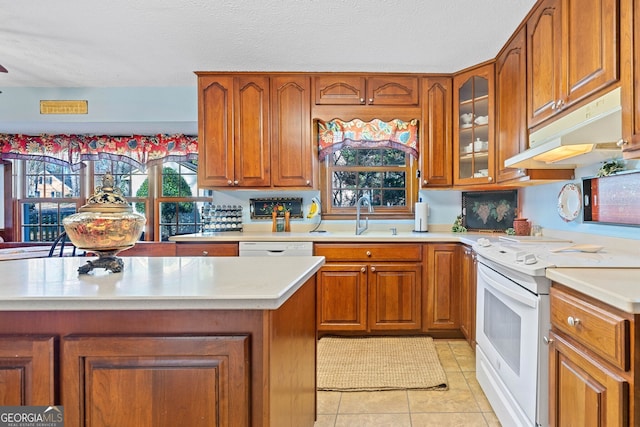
513, 318
511, 356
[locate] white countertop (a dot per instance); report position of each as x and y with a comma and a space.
29, 252
619, 287
330, 236
171, 283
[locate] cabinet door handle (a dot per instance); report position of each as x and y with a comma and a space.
368, 253
205, 253
373, 269
363, 270
573, 321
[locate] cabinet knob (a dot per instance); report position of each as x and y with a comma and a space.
573, 321
361, 100
308, 183
368, 253
554, 106
229, 182
205, 253
547, 340
560, 104
425, 182
489, 178
236, 182
363, 270
622, 142
373, 269
370, 100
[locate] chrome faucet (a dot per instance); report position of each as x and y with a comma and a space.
362, 201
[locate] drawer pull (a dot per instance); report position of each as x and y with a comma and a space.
205, 253
368, 253
547, 340
573, 321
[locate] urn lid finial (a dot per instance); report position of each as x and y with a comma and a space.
107, 198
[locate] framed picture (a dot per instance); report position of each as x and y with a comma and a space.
489, 210
262, 208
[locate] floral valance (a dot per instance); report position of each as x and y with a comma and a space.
73, 150
336, 134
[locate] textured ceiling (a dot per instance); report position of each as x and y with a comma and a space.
91, 43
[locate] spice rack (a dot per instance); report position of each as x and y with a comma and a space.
216, 218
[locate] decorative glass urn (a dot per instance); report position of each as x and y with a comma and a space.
106, 225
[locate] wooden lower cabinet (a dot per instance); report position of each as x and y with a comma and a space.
584, 392
165, 367
342, 297
156, 381
27, 375
468, 295
592, 357
361, 296
442, 301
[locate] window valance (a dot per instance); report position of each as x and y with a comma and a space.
73, 150
398, 134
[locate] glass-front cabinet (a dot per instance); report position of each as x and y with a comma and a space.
473, 134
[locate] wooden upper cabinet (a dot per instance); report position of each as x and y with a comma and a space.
215, 131
339, 89
254, 131
544, 43
573, 52
233, 128
473, 129
592, 44
511, 105
392, 90
437, 145
291, 148
631, 96
252, 155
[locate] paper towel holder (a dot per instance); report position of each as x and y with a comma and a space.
419, 227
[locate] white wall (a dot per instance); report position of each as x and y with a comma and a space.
540, 206
116, 111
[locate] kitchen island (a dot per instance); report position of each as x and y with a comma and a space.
169, 341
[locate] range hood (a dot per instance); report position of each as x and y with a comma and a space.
585, 136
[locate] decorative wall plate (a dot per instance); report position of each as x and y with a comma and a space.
569, 202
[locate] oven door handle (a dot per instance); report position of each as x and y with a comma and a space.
527, 300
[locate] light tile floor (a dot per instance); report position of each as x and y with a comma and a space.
463, 405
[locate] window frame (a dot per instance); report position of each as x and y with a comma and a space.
380, 212
86, 177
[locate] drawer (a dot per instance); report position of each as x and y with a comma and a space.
369, 252
207, 249
599, 328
